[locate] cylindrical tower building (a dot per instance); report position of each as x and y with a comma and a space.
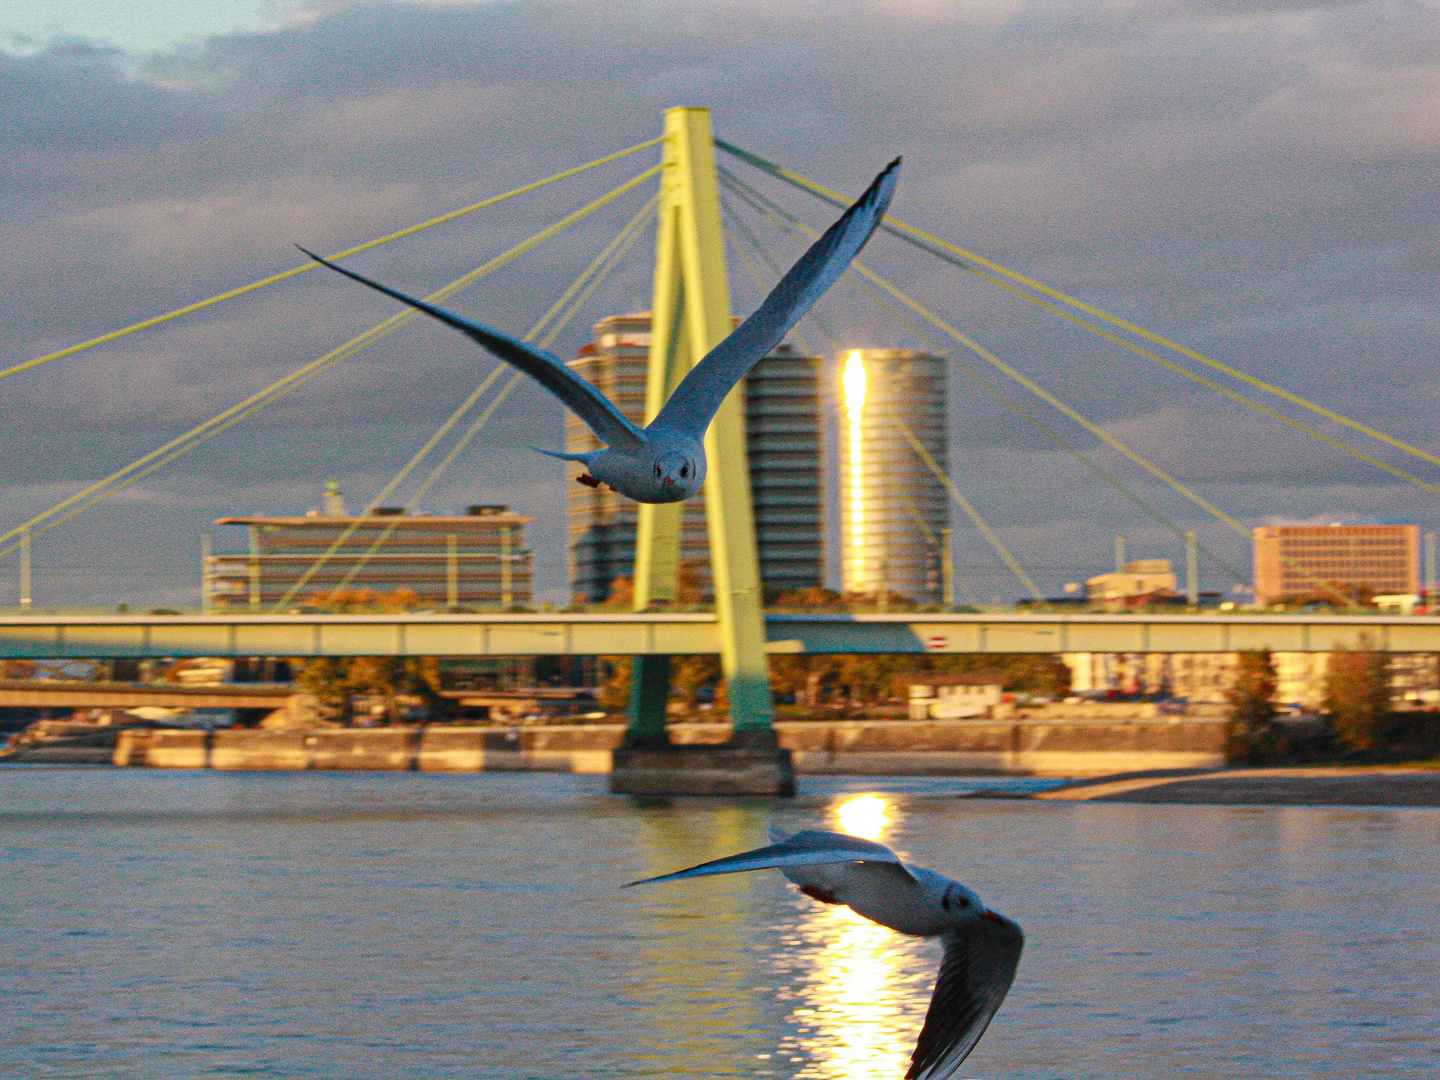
893, 510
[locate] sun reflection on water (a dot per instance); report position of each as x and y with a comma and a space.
864, 815
861, 995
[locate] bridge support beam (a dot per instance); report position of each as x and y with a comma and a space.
689, 316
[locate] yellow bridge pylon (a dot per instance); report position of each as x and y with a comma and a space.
690, 315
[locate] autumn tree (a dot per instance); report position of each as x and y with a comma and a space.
1253, 737
1357, 699
335, 682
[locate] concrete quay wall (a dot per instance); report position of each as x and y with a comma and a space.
878, 747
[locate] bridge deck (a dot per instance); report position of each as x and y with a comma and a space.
57, 636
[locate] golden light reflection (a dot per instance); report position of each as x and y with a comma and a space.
864, 815
853, 383
863, 998
860, 1011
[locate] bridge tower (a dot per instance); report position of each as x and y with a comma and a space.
691, 314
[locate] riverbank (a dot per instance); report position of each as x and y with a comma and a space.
1386, 785
1025, 747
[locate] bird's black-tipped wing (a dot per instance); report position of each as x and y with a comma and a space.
695, 401
549, 371
809, 848
975, 976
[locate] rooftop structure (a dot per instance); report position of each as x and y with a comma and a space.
1141, 577
782, 407
477, 559
894, 513
1292, 561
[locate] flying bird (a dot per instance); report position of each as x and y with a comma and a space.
982, 947
665, 461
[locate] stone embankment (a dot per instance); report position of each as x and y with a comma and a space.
1031, 746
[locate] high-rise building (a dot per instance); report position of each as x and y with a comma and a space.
894, 512
783, 438
1292, 560
477, 559
782, 407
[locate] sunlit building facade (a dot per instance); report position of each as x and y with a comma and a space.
476, 559
894, 512
783, 441
1291, 561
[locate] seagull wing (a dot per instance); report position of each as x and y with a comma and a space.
975, 975
695, 401
809, 848
549, 371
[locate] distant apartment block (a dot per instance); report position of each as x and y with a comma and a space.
477, 559
894, 512
1140, 578
782, 407
1292, 560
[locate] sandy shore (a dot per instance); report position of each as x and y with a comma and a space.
1381, 786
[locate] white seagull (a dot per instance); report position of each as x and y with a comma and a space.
982, 947
665, 462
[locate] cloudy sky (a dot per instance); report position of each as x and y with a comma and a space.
1258, 180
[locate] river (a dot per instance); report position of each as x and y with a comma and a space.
169, 923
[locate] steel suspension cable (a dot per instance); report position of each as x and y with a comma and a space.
1094, 429
575, 297
938, 247
792, 226
295, 270
182, 444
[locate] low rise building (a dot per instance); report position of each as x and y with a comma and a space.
1204, 678
1141, 578
475, 559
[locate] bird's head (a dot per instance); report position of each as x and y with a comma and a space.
676, 476
955, 902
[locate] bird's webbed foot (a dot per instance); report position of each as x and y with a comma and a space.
587, 480
825, 896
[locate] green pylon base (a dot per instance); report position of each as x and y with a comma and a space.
750, 765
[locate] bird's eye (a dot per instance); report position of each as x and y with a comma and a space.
684, 470
657, 470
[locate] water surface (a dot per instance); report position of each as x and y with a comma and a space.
165, 924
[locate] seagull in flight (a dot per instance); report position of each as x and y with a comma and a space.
982, 947
665, 462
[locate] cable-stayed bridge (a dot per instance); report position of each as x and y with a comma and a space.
691, 297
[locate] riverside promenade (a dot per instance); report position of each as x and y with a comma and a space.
1020, 746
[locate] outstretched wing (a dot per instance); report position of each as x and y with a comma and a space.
549, 371
695, 401
975, 975
809, 848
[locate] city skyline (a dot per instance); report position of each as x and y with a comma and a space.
1274, 216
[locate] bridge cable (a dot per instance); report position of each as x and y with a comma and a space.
946, 251
1094, 429
575, 297
182, 444
294, 270
791, 226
